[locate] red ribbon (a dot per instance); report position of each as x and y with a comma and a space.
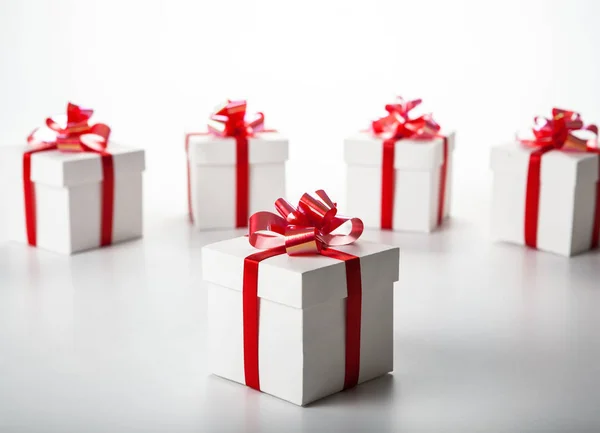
398, 125
71, 133
558, 133
231, 120
305, 229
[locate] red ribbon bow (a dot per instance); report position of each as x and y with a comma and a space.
306, 229
560, 132
398, 125
71, 133
231, 120
563, 131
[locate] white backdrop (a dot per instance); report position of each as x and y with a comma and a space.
154, 69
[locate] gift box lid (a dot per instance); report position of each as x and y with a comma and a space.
560, 166
62, 169
263, 148
299, 281
364, 148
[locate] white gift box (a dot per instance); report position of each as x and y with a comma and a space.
212, 171
68, 196
568, 182
417, 169
301, 317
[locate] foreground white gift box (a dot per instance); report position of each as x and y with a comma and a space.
417, 181
567, 198
68, 191
235, 169
302, 317
212, 165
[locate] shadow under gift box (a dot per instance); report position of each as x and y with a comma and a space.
302, 317
68, 191
417, 175
567, 198
212, 163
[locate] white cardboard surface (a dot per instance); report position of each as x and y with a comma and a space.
302, 317
417, 181
567, 198
68, 197
212, 177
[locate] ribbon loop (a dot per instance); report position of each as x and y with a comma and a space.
305, 229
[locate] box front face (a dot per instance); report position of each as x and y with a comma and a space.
214, 192
280, 343
417, 182
555, 219
325, 344
415, 197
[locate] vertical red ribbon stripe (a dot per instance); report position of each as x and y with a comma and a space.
107, 198
242, 178
443, 177
29, 198
353, 314
242, 181
388, 181
251, 314
532, 195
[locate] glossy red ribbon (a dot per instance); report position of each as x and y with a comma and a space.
310, 228
71, 133
231, 120
398, 125
557, 133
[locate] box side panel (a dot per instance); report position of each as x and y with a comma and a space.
324, 349
511, 157
377, 333
85, 214
267, 184
583, 217
213, 196
54, 218
325, 344
363, 194
214, 192
415, 200
128, 214
416, 195
449, 174
555, 221
508, 208
280, 343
